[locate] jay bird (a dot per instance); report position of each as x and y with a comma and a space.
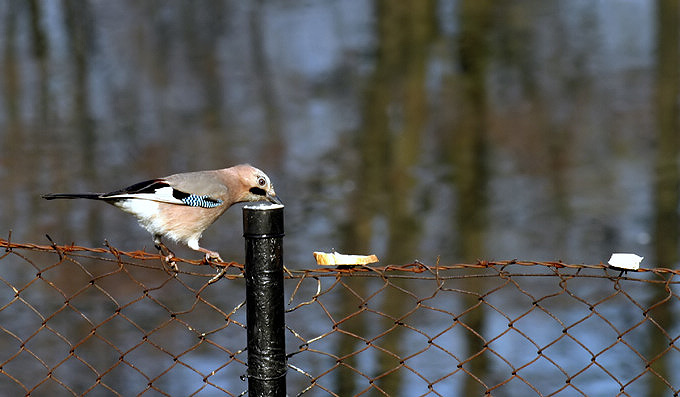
181, 206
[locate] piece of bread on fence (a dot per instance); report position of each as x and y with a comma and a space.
334, 258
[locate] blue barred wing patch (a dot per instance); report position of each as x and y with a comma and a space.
194, 200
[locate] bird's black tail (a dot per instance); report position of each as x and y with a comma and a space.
91, 196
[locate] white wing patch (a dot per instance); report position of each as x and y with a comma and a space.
163, 195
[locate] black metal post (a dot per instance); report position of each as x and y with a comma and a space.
263, 232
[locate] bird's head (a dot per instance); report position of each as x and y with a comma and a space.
258, 185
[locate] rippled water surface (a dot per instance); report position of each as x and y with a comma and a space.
428, 130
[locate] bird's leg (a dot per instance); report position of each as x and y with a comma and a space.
212, 255
167, 256
209, 255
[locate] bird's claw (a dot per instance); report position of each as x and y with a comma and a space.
212, 256
167, 257
170, 261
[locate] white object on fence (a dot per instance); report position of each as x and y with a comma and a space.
625, 261
334, 258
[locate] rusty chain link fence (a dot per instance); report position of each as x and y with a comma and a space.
100, 322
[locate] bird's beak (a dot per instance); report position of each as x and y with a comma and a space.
271, 196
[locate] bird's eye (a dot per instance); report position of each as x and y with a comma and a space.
262, 181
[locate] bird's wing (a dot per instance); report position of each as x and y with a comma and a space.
200, 183
165, 190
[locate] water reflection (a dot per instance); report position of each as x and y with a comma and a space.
667, 178
450, 130
469, 148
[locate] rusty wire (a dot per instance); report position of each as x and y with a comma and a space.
91, 321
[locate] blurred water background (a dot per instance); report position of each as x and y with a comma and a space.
450, 130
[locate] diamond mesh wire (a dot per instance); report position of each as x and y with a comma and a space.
84, 321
